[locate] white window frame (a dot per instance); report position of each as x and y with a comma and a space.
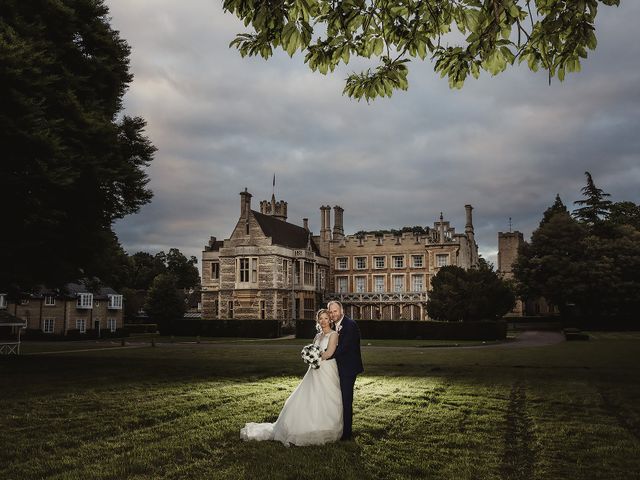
340, 260
285, 271
376, 286
394, 259
394, 285
81, 325
413, 282
24, 301
308, 273
263, 309
356, 262
48, 325
115, 302
360, 288
3, 301
339, 279
112, 324
415, 264
442, 256
85, 301
375, 262
49, 301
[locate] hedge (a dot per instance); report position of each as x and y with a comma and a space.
412, 329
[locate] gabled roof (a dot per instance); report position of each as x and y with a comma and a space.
284, 233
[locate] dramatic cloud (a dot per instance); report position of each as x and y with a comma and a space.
506, 145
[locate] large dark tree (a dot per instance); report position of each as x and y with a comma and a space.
164, 303
71, 164
468, 295
553, 264
461, 37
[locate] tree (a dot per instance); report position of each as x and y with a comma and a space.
164, 303
184, 270
463, 37
625, 213
468, 295
595, 206
71, 163
553, 264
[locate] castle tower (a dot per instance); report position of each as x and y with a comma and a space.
508, 245
274, 209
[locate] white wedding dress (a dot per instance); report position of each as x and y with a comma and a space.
312, 415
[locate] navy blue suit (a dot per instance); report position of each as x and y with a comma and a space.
349, 362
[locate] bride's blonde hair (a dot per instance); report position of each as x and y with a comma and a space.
320, 312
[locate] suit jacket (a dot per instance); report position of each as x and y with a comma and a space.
347, 353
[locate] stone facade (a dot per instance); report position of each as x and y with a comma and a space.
75, 308
269, 268
388, 276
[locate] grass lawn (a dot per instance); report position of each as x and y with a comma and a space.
565, 411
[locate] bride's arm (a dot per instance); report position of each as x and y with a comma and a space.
331, 347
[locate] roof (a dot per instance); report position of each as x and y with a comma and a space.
284, 233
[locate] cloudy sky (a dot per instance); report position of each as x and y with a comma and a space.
504, 144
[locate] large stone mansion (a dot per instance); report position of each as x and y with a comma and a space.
272, 269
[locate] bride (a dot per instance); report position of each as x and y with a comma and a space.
312, 415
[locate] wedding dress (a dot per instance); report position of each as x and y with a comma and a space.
312, 415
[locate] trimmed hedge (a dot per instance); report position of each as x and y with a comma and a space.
412, 329
226, 328
141, 327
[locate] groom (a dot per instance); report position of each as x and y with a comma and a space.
349, 361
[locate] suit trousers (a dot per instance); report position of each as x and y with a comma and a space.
347, 382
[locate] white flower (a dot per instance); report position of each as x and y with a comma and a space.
311, 355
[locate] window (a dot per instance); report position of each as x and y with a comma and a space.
398, 261
115, 302
379, 262
3, 300
215, 270
417, 261
342, 263
254, 270
398, 283
309, 308
361, 284
111, 324
85, 300
285, 271
48, 325
442, 259
341, 284
378, 283
308, 273
49, 300
285, 307
361, 263
24, 301
417, 283
230, 307
247, 270
263, 309
320, 279
81, 324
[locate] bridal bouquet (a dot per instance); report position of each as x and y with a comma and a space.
311, 355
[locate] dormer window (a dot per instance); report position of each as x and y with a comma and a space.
49, 300
85, 300
115, 302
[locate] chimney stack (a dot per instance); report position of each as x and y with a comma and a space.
245, 202
468, 228
305, 223
325, 223
338, 230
